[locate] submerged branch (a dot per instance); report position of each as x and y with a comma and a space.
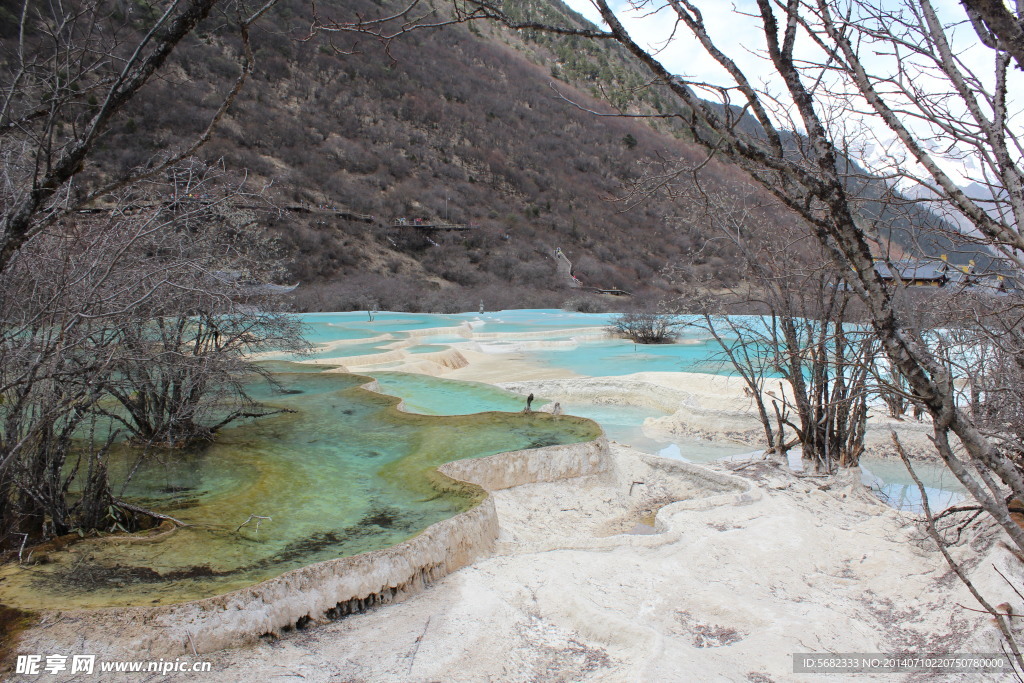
143, 511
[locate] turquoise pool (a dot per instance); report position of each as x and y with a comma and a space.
523, 332
435, 396
612, 357
514, 331
342, 473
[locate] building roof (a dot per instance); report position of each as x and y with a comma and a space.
910, 270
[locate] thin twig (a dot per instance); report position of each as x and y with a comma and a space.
258, 519
1008, 582
419, 640
999, 618
975, 609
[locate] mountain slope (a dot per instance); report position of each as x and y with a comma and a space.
469, 125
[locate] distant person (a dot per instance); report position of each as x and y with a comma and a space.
529, 400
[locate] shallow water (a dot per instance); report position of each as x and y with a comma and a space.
436, 396
613, 357
344, 474
605, 357
624, 424
342, 350
608, 357
534, 320
426, 348
891, 482
441, 340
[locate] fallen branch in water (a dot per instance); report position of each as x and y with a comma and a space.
258, 519
143, 511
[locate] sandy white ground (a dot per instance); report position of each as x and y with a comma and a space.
723, 586
724, 593
728, 588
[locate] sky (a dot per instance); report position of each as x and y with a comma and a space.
738, 33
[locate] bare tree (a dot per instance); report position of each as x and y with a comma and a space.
982, 344
182, 364
816, 92
841, 76
803, 337
646, 327
57, 351
65, 80
137, 321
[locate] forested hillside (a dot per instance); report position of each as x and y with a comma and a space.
466, 124
472, 124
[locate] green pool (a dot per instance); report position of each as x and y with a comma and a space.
346, 472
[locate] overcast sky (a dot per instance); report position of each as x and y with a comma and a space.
735, 29
740, 37
736, 34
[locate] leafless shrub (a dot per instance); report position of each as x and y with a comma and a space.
584, 304
646, 327
133, 320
